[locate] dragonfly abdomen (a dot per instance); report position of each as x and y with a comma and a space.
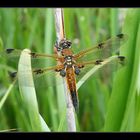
71, 82
75, 100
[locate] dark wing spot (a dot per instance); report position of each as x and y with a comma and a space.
100, 46
57, 70
82, 66
38, 71
12, 74
121, 58
9, 50
120, 35
33, 55
98, 62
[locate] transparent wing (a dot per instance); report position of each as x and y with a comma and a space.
91, 67
16, 53
102, 50
48, 79
38, 59
42, 76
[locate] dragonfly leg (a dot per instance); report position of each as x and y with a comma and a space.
63, 72
76, 70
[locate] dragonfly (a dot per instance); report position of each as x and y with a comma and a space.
72, 65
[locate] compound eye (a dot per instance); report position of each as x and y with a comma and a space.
69, 43
61, 43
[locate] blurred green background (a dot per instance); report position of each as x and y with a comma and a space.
108, 103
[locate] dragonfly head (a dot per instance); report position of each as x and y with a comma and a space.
65, 44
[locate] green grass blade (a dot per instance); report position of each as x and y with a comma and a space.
122, 91
1, 44
100, 107
62, 123
48, 48
43, 124
129, 117
114, 21
92, 71
6, 94
27, 90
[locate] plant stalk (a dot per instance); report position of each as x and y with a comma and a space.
60, 34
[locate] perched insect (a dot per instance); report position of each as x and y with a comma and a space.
73, 65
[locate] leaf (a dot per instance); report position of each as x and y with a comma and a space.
29, 94
122, 101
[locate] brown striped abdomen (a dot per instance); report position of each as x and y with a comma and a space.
71, 82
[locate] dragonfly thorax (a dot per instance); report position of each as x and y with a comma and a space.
68, 61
